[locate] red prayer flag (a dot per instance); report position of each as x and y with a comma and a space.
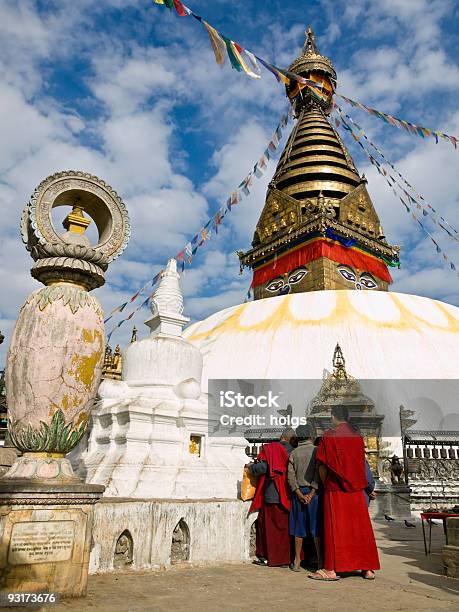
180, 9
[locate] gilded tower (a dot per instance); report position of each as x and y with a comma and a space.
318, 228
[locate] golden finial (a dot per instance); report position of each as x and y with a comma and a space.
339, 364
75, 221
310, 42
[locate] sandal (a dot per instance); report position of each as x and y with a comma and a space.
322, 575
294, 567
372, 577
260, 561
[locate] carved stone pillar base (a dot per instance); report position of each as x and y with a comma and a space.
450, 552
46, 536
43, 468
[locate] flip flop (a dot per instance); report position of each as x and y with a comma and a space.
323, 576
293, 568
260, 562
368, 577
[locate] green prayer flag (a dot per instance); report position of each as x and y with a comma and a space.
232, 56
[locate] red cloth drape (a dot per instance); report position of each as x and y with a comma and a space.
273, 540
321, 248
277, 458
349, 542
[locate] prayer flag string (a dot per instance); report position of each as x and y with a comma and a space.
186, 255
245, 61
411, 128
430, 211
392, 182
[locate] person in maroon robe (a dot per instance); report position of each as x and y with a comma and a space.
348, 538
272, 500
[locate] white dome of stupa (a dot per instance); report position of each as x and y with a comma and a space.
382, 335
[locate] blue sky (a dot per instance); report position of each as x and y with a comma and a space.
130, 92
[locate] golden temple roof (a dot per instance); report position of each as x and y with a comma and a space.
316, 191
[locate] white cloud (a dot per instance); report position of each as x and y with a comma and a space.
128, 128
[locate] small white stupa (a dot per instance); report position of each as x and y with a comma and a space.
150, 435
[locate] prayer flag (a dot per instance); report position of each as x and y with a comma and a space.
257, 171
218, 44
189, 252
254, 69
180, 8
232, 54
275, 71
168, 3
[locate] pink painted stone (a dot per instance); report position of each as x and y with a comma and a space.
55, 357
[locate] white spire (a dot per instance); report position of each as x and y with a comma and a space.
167, 304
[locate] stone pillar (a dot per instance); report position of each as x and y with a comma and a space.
450, 552
53, 372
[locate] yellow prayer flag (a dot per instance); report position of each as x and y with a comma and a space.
218, 44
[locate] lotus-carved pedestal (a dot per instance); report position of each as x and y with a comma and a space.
53, 371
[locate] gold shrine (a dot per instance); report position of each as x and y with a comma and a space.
316, 192
113, 359
341, 389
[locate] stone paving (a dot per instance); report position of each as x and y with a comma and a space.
408, 581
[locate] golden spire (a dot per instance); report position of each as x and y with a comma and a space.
311, 61
310, 46
316, 195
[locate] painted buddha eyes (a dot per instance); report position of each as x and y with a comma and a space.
348, 274
365, 281
368, 281
297, 275
284, 285
275, 285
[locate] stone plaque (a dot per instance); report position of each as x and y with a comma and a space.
41, 542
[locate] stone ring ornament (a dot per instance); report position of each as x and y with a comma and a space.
96, 198
86, 193
55, 357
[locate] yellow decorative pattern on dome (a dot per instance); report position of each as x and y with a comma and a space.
397, 311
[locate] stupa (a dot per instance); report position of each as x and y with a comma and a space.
320, 255
320, 275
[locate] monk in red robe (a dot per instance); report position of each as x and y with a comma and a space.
272, 500
349, 542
